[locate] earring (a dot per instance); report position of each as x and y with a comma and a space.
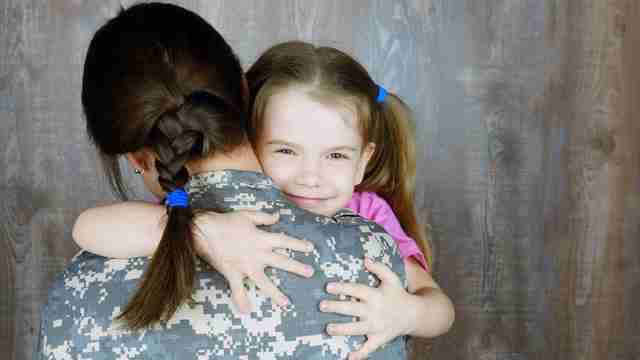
138, 171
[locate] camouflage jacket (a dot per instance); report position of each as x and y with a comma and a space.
77, 320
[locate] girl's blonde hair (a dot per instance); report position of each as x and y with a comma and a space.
332, 77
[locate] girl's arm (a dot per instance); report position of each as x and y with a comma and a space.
428, 301
120, 230
389, 310
134, 228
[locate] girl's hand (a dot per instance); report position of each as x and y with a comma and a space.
382, 311
233, 245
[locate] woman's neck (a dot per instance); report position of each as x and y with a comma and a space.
242, 158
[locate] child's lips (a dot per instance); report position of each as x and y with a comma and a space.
305, 200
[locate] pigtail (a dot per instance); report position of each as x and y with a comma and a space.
392, 170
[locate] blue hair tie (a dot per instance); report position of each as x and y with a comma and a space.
382, 94
177, 198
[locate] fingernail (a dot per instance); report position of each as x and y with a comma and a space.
323, 306
331, 287
284, 302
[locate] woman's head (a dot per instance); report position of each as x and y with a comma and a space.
340, 133
159, 80
159, 77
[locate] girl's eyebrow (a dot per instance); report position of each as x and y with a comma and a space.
342, 148
335, 148
281, 142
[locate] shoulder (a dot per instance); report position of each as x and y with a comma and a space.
364, 227
367, 199
370, 205
226, 190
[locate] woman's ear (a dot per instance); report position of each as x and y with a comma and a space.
142, 159
365, 156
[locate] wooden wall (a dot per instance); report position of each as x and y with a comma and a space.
529, 140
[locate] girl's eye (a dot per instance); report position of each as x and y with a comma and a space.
338, 156
284, 151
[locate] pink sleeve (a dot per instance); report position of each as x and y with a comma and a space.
371, 206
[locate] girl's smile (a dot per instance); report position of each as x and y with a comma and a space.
306, 201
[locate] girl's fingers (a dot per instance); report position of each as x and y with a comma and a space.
239, 294
282, 241
349, 308
268, 289
372, 344
285, 263
382, 272
359, 291
348, 329
259, 217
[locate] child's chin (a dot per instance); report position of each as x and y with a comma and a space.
317, 208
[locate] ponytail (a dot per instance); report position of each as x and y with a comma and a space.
178, 136
168, 281
391, 172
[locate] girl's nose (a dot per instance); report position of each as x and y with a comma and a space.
309, 174
309, 180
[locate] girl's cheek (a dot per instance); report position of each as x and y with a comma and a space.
277, 170
343, 167
268, 167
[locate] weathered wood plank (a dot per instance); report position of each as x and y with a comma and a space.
10, 44
616, 139
8, 233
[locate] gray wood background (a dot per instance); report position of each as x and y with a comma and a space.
529, 170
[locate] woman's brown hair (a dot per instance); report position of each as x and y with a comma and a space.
330, 76
159, 77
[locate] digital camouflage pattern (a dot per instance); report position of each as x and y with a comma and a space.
77, 320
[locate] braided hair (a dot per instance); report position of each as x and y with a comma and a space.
159, 77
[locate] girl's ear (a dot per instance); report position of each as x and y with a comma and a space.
366, 155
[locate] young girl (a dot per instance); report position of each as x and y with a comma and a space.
320, 127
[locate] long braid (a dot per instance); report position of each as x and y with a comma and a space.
175, 139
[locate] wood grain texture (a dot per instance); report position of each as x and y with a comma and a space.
529, 151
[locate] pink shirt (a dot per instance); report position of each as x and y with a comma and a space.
371, 206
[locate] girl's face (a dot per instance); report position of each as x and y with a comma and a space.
313, 152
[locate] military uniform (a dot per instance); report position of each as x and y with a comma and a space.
77, 320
